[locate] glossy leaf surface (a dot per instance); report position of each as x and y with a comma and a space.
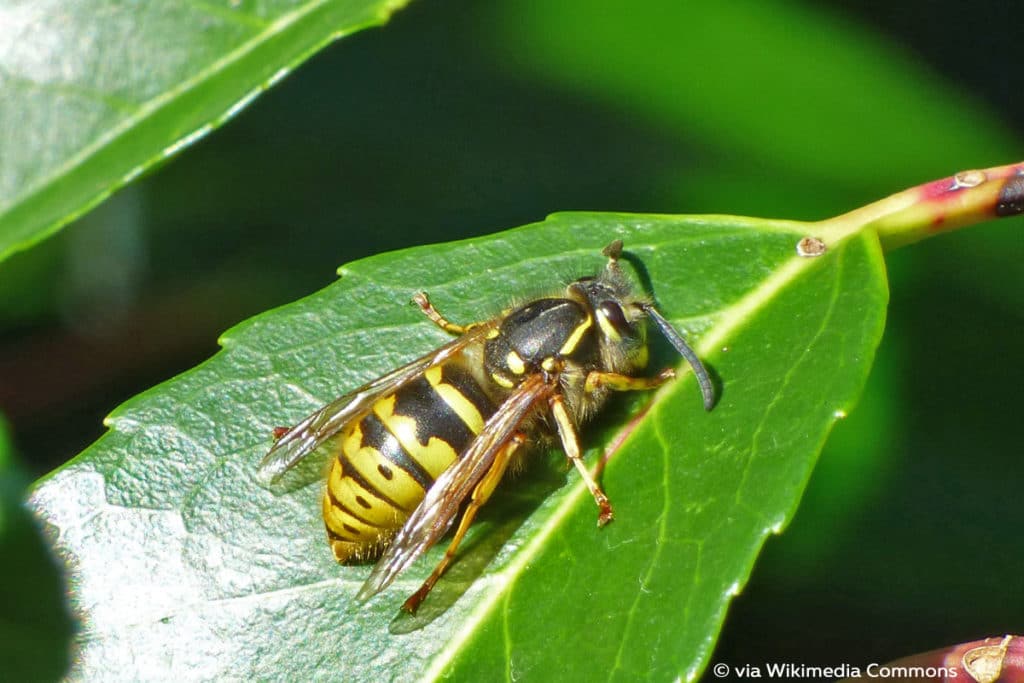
180, 560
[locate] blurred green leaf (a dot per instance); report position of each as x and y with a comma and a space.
11, 478
179, 559
789, 91
93, 93
35, 628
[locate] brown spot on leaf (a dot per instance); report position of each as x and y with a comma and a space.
810, 246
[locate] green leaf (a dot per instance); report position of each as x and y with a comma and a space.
182, 565
93, 93
773, 83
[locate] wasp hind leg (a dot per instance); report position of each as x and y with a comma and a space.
571, 445
480, 494
423, 301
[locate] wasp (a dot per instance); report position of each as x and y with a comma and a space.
411, 449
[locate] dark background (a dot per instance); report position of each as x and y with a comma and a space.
431, 129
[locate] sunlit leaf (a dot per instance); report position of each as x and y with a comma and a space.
180, 560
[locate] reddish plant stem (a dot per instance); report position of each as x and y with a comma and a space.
960, 200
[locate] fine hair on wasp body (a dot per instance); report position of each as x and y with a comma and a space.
413, 448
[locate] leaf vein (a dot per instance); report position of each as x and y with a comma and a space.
805, 353
659, 545
232, 15
117, 104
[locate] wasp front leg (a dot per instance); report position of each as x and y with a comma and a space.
480, 495
571, 445
423, 301
598, 379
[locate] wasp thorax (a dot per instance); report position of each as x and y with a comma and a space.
537, 334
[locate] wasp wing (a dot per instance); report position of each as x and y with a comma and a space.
435, 514
314, 431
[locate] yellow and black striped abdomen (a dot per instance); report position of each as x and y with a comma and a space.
389, 458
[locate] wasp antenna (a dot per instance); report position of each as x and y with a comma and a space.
613, 250
677, 341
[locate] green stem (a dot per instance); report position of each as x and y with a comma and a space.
963, 199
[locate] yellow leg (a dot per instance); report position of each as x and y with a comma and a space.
479, 496
597, 379
428, 309
571, 444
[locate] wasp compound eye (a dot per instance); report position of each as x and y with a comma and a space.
612, 320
